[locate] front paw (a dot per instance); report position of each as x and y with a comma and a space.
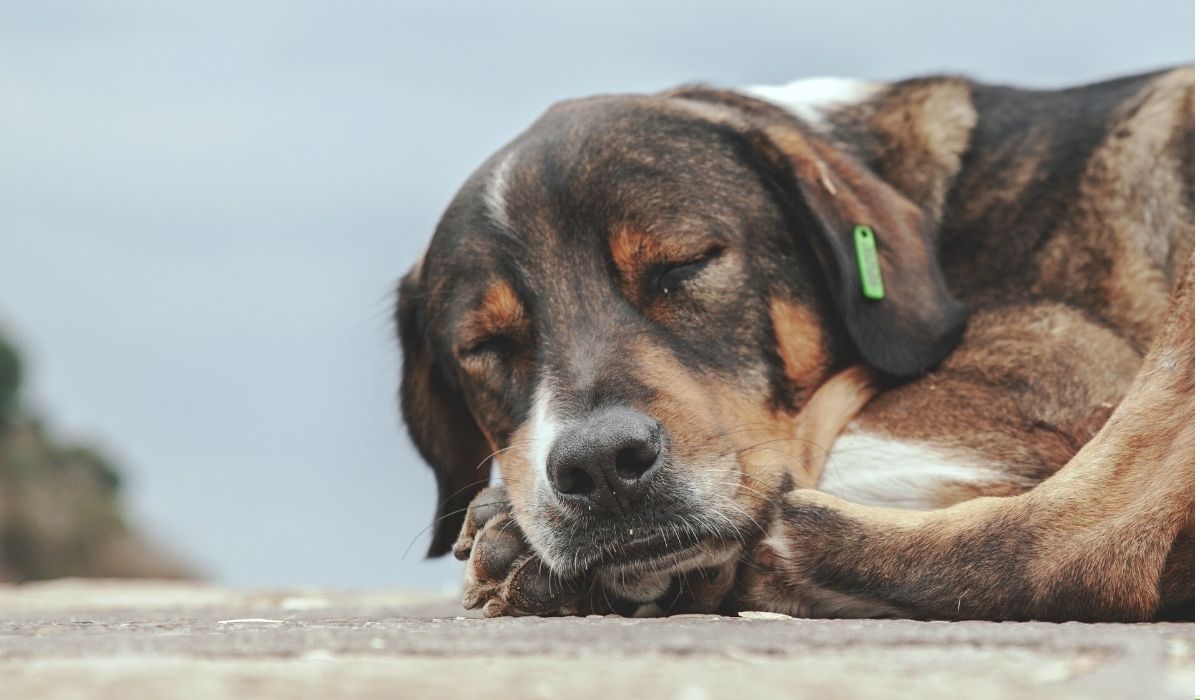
504, 575
771, 579
803, 566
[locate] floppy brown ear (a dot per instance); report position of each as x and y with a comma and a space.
917, 322
438, 419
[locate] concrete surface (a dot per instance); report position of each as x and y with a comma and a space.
108, 639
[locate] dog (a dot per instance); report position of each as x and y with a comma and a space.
832, 349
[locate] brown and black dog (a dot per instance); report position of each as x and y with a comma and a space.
651, 313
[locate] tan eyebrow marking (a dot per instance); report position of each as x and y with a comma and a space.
630, 247
500, 311
633, 249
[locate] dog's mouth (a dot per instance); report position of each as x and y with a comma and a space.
650, 550
644, 548
671, 530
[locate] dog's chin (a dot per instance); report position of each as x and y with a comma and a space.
653, 550
651, 553
639, 564
646, 578
665, 539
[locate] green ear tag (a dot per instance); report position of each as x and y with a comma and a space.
868, 262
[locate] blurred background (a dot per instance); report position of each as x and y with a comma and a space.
204, 208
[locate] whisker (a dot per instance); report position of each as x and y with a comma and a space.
744, 513
436, 521
477, 466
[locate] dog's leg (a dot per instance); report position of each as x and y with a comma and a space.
1106, 538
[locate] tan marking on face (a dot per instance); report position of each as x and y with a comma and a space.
630, 249
737, 443
500, 312
516, 470
500, 308
799, 339
634, 251
522, 468
683, 403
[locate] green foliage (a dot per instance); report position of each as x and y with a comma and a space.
10, 379
60, 512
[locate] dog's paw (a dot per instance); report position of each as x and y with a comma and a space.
504, 576
770, 579
785, 569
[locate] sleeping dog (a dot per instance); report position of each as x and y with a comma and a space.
832, 349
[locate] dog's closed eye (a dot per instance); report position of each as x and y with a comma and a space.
669, 277
497, 344
497, 327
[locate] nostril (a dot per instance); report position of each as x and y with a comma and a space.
575, 481
606, 458
632, 462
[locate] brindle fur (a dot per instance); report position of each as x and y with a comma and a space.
1060, 219
1108, 537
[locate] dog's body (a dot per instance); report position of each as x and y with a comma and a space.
668, 281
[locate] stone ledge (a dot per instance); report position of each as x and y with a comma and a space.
113, 639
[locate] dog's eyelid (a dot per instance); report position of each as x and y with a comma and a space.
710, 253
499, 343
668, 276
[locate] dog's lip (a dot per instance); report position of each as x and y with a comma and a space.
656, 547
653, 544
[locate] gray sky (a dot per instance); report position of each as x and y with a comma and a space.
204, 207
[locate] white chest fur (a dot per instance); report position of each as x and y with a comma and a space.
882, 471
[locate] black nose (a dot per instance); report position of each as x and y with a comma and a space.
606, 459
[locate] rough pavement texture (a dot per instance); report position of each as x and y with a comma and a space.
68, 639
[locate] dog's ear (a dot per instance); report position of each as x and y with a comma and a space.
917, 322
438, 419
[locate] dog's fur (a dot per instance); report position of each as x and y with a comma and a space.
688, 255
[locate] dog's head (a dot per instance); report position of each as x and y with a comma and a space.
628, 306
